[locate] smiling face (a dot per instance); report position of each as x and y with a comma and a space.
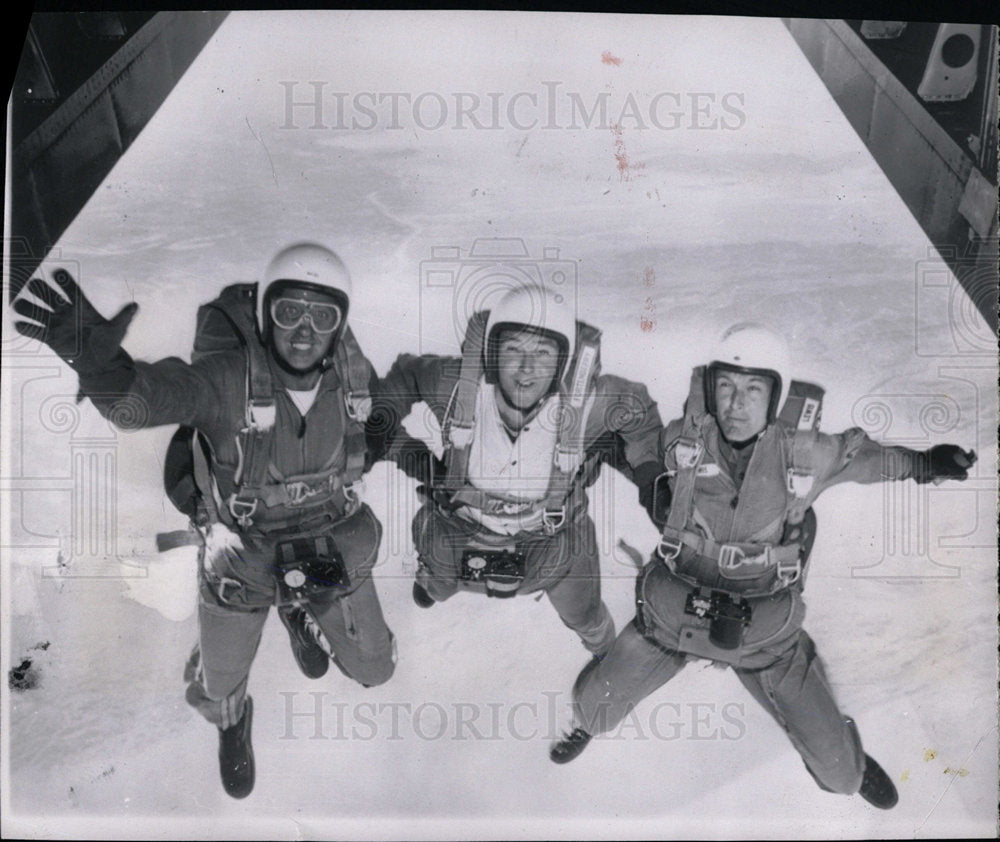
741, 404
301, 348
526, 364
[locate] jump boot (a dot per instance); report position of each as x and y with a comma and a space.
877, 787
236, 763
302, 632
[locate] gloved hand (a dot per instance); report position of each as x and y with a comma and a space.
71, 327
431, 475
944, 461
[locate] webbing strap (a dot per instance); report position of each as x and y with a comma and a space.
308, 490
354, 369
800, 417
237, 303
576, 402
355, 448
800, 475
688, 451
205, 481
779, 553
460, 416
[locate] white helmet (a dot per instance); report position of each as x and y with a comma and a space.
538, 310
748, 348
305, 265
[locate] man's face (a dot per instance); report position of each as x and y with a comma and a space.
301, 347
526, 364
741, 404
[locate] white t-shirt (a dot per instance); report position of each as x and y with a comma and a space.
519, 469
304, 399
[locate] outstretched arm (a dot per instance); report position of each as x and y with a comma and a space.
411, 379
70, 325
852, 456
133, 394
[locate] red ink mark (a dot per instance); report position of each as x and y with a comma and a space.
648, 322
607, 58
625, 168
620, 155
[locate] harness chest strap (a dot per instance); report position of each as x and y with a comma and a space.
784, 558
313, 489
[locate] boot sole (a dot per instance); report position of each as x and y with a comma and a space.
246, 787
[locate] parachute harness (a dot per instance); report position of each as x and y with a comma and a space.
753, 568
577, 398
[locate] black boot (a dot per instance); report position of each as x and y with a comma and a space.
876, 786
236, 755
309, 655
421, 597
569, 747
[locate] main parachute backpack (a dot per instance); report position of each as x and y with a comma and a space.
226, 324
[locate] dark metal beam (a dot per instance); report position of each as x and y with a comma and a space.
87, 84
946, 177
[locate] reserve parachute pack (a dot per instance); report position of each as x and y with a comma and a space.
576, 392
226, 324
750, 568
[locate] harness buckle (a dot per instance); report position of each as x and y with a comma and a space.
800, 483
242, 510
668, 548
553, 519
261, 415
358, 408
459, 437
568, 461
789, 572
730, 556
688, 453
353, 492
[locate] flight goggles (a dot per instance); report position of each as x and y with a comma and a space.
289, 313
